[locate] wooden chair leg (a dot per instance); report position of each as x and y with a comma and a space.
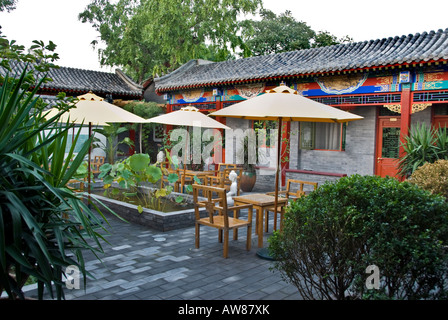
220, 236
226, 243
235, 231
282, 215
197, 235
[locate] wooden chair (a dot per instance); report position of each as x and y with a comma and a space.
168, 169
289, 193
223, 181
217, 209
97, 163
215, 178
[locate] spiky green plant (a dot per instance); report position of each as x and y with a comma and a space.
423, 145
44, 225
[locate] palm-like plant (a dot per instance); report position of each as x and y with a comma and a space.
423, 144
44, 225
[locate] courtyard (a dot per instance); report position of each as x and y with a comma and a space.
141, 263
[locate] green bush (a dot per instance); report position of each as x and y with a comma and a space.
432, 177
331, 236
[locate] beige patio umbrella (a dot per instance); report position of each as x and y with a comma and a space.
284, 104
94, 110
188, 116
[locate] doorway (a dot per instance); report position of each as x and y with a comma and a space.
388, 143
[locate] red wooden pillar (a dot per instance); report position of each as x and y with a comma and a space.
223, 121
406, 110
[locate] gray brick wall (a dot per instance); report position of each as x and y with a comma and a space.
358, 157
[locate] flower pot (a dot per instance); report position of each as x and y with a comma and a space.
248, 179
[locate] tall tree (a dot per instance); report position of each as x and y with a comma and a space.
282, 33
154, 36
8, 5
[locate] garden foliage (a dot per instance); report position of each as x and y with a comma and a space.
124, 178
423, 144
44, 225
332, 235
432, 177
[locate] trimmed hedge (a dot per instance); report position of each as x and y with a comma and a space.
332, 235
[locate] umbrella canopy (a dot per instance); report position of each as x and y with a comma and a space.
93, 109
283, 102
187, 116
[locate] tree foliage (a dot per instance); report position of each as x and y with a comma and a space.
7, 5
155, 36
282, 33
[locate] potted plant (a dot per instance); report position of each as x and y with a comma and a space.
249, 174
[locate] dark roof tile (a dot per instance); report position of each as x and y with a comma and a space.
81, 81
366, 54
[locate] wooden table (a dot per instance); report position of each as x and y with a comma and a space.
260, 202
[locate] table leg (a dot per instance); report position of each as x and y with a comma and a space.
260, 227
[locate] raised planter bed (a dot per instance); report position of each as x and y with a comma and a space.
163, 221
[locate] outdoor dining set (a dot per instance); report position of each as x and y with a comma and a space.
216, 195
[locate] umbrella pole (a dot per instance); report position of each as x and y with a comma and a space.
264, 252
277, 174
187, 145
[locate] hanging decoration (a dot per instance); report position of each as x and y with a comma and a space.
416, 107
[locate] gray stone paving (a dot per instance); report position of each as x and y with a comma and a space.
144, 264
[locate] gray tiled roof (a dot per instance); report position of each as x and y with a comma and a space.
79, 81
426, 46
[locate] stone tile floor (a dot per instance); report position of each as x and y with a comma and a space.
144, 264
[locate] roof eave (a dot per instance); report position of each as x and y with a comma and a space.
162, 90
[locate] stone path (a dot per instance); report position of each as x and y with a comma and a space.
144, 264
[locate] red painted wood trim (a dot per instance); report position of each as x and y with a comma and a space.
317, 173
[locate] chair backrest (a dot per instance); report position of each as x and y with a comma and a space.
222, 167
215, 202
226, 182
300, 190
99, 160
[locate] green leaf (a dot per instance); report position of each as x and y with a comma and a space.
197, 180
154, 173
172, 178
139, 161
140, 209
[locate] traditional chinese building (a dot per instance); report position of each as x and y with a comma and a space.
392, 82
115, 87
75, 82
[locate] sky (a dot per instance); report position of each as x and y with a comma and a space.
57, 20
